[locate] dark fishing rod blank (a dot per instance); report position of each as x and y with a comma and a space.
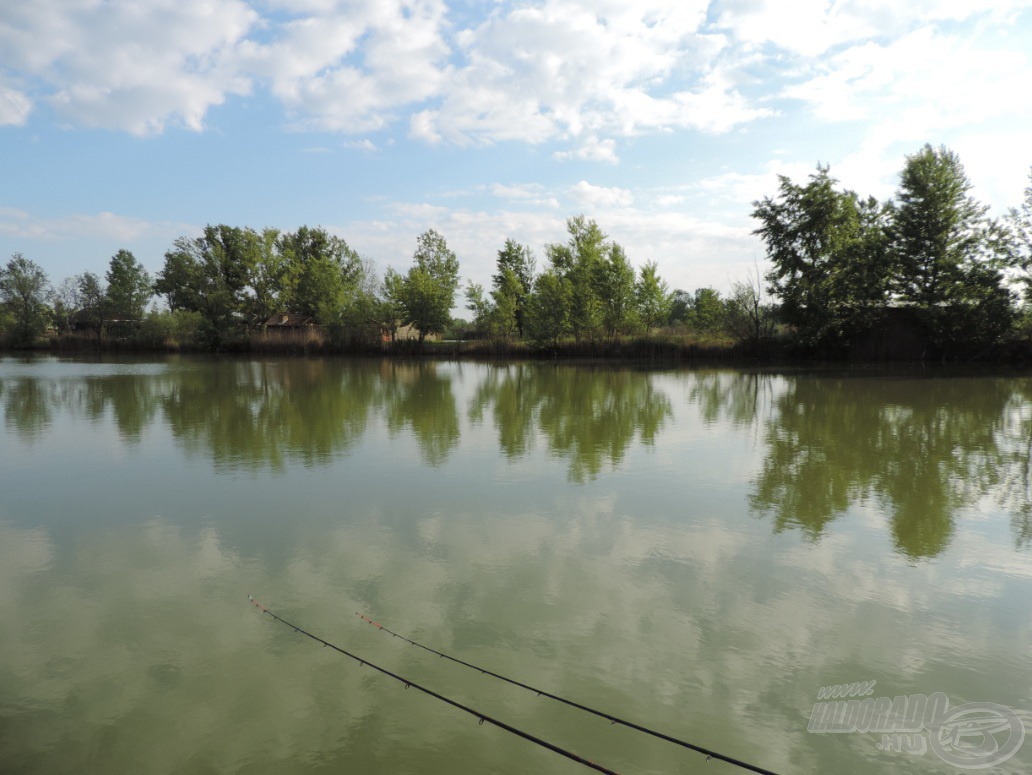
481, 717
602, 714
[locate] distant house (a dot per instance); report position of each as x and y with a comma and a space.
290, 320
408, 332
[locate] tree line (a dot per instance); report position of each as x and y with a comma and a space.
227, 282
929, 263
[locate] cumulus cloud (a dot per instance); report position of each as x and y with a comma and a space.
532, 72
15, 105
813, 27
20, 224
592, 149
111, 65
591, 196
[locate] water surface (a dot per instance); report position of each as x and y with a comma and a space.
696, 550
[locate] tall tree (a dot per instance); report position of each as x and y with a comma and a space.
707, 310
210, 275
180, 279
25, 292
653, 297
513, 284
948, 253
93, 304
392, 302
549, 308
322, 273
614, 288
576, 261
267, 277
830, 262
128, 287
431, 284
1019, 219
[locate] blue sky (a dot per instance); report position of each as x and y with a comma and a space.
127, 123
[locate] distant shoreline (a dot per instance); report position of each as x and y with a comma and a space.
659, 349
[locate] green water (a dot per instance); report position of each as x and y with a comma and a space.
697, 551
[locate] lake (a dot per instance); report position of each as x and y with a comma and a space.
697, 551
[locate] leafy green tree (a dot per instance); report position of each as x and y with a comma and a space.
215, 270
93, 304
576, 261
680, 306
614, 288
549, 308
831, 265
322, 274
25, 292
1019, 219
180, 279
129, 287
708, 311
653, 298
510, 297
391, 308
484, 312
431, 284
268, 277
513, 285
948, 253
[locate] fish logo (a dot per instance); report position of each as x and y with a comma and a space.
967, 735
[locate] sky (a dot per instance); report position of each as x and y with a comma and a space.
129, 123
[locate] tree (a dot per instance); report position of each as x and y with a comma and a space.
431, 284
210, 275
179, 281
948, 254
25, 292
92, 302
549, 317
830, 259
322, 274
511, 297
680, 306
391, 309
1019, 219
484, 312
708, 311
749, 318
513, 285
652, 296
614, 288
575, 261
128, 287
65, 304
267, 277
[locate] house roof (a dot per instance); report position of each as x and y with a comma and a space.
289, 320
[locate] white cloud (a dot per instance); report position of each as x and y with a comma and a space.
812, 27
532, 72
528, 194
587, 195
14, 105
928, 80
22, 225
592, 149
365, 144
111, 65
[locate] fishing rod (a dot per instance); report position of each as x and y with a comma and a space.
482, 717
608, 716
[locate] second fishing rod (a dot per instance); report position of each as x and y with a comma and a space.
710, 754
